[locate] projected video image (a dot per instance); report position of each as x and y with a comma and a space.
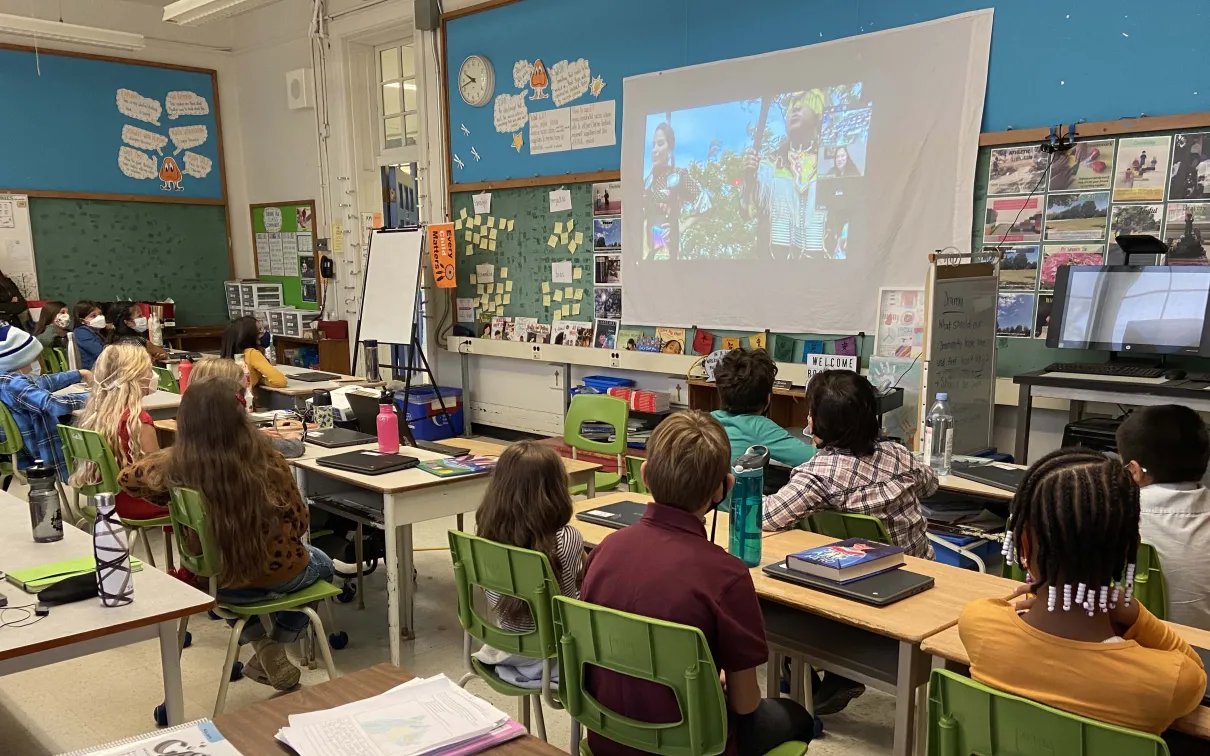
776, 177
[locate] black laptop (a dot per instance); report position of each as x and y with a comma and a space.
368, 462
336, 438
1205, 663
365, 409
616, 516
882, 589
1006, 478
313, 377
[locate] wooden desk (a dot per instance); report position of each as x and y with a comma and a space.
973, 488
86, 627
405, 498
283, 398
594, 534
252, 729
878, 646
947, 650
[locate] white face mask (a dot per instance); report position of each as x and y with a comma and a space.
140, 324
62, 320
98, 322
35, 370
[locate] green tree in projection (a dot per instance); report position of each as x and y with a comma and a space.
722, 232
1136, 219
1018, 261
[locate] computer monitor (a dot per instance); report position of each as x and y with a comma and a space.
1132, 309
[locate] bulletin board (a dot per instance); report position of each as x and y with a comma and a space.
285, 240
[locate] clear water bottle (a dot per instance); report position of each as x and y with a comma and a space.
45, 513
747, 504
939, 435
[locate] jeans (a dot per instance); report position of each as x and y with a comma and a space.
775, 721
287, 626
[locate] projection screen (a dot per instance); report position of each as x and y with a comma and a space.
780, 191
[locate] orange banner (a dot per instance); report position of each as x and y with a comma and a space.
441, 252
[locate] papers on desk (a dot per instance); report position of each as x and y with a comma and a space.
420, 717
199, 738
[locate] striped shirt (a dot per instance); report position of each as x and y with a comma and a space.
569, 547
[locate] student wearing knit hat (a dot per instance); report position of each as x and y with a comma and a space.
32, 402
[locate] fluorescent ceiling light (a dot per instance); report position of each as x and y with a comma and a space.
195, 12
57, 31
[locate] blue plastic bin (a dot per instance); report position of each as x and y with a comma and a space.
422, 402
602, 383
987, 552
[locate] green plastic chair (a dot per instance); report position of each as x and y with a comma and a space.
672, 655
9, 447
598, 408
966, 717
844, 525
168, 381
53, 360
509, 571
80, 445
1150, 587
634, 474
188, 514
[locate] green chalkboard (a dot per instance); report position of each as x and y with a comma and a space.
106, 250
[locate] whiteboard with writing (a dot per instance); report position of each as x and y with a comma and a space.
961, 351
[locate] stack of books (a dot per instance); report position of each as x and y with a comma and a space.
847, 561
419, 718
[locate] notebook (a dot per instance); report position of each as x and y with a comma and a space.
455, 466
882, 589
616, 516
368, 462
313, 377
34, 579
1004, 477
335, 438
200, 738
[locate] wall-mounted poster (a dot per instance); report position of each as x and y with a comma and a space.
1085, 167
900, 323
1141, 169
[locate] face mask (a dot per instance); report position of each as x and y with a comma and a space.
140, 324
98, 322
62, 320
35, 370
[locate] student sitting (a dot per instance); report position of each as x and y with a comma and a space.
1166, 449
129, 325
745, 386
854, 472
241, 342
115, 410
53, 324
217, 367
257, 516
32, 402
528, 504
664, 567
89, 333
1078, 641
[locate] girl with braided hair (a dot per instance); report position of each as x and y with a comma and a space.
1078, 640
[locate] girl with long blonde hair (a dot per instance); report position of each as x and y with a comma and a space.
122, 377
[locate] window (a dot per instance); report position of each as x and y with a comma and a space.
399, 124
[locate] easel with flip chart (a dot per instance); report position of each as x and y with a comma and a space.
960, 345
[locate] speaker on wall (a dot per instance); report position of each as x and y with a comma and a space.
300, 89
427, 15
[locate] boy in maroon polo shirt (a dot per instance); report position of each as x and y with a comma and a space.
665, 567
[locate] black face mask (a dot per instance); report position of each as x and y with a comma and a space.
726, 492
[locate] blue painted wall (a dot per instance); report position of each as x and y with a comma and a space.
60, 128
1051, 60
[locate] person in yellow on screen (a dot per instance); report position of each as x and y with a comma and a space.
778, 188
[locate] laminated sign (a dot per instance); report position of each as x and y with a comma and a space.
441, 250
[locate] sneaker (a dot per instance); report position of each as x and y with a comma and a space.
835, 693
270, 666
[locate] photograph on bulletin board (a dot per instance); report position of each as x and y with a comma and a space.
284, 237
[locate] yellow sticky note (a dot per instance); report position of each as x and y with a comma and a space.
566, 310
499, 287
478, 219
491, 234
475, 239
553, 241
559, 295
504, 272
546, 287
569, 292
458, 225
474, 280
577, 274
558, 314
481, 288
575, 309
546, 301
563, 238
467, 235
483, 242
499, 310
462, 213
571, 248
508, 285
510, 224
491, 246
491, 221
571, 225
579, 237
508, 298
470, 249
579, 293
559, 227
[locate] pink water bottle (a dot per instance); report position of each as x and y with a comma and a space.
184, 369
388, 424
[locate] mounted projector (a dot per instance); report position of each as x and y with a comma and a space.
196, 12
57, 31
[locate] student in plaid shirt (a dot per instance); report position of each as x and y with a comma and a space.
854, 472
31, 401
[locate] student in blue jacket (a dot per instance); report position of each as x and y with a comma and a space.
89, 333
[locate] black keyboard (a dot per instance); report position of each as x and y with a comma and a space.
1091, 368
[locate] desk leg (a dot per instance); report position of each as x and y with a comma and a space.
592, 485
407, 565
170, 659
465, 364
1025, 402
391, 559
912, 672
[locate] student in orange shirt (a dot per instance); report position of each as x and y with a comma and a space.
1079, 641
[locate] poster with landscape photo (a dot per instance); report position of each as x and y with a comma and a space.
1016, 170
1133, 220
1018, 268
1012, 219
1082, 215
1015, 315
1056, 255
1042, 318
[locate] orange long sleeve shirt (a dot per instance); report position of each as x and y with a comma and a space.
1143, 682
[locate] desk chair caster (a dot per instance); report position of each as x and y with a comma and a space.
188, 640
338, 640
348, 592
818, 729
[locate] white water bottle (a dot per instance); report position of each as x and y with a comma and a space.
939, 435
115, 585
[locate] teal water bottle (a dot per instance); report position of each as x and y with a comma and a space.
747, 498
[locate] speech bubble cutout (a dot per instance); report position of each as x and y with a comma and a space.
273, 219
136, 165
183, 103
138, 107
569, 80
197, 165
143, 139
511, 113
185, 137
521, 73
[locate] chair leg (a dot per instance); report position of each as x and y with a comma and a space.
141, 536
168, 549
539, 721
523, 705
232, 652
358, 548
322, 641
575, 737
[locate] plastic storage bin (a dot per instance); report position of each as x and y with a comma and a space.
602, 383
988, 552
422, 412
